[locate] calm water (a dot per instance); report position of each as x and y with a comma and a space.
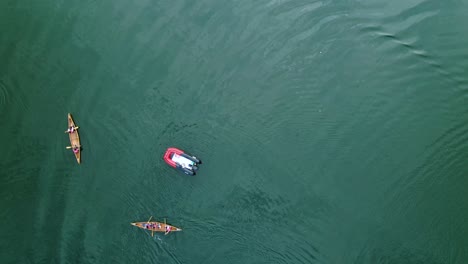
331, 131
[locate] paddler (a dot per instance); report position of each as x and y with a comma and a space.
71, 129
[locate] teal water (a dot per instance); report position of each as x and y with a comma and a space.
331, 131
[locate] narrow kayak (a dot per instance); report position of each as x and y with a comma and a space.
74, 138
155, 226
181, 161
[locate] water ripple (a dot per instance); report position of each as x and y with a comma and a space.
4, 94
320, 123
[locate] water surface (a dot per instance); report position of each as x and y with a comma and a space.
331, 131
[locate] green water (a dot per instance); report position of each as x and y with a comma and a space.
331, 131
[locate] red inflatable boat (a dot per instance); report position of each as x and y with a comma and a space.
181, 161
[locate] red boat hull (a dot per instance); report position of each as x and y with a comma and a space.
168, 155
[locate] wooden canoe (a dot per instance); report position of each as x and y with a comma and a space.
155, 226
74, 138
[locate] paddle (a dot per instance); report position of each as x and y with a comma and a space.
69, 147
75, 129
152, 229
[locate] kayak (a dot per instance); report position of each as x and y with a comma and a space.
74, 138
155, 226
181, 161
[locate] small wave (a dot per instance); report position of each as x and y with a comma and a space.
16, 99
4, 94
374, 252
